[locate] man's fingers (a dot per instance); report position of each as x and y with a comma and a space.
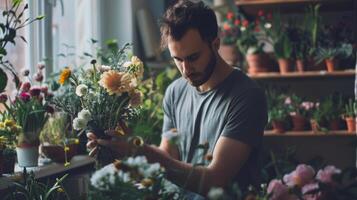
93, 152
91, 136
91, 144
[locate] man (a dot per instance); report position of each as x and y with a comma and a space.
212, 103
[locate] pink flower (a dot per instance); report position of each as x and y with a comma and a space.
25, 96
3, 98
278, 190
302, 175
260, 13
38, 77
307, 105
35, 91
44, 90
326, 174
25, 87
287, 101
310, 187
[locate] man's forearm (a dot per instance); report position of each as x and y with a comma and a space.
194, 178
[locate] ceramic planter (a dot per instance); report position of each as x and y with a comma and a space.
300, 65
284, 65
278, 127
27, 156
330, 64
351, 124
299, 122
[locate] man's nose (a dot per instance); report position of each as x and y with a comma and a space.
186, 67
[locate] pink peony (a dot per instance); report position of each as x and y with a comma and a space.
25, 87
326, 174
287, 101
35, 91
3, 98
310, 187
302, 175
25, 96
278, 189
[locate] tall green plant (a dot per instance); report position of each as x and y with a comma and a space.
8, 32
312, 23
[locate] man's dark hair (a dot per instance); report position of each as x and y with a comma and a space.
185, 15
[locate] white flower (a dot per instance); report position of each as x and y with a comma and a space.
252, 50
85, 115
81, 90
127, 64
151, 170
137, 161
242, 28
267, 25
79, 123
104, 68
215, 193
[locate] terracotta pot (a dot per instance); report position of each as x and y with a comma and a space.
334, 125
229, 53
284, 65
351, 124
299, 122
300, 65
330, 64
278, 127
257, 63
57, 154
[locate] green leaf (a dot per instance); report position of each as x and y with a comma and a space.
16, 2
87, 54
3, 80
40, 17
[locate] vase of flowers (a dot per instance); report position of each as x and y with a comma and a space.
29, 110
109, 96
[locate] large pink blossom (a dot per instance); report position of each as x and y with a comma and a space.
310, 187
302, 175
326, 174
25, 96
279, 191
35, 91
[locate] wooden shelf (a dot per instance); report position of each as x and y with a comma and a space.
266, 2
307, 74
339, 133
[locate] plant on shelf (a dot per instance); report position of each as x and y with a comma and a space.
8, 132
350, 115
280, 37
278, 112
301, 45
330, 54
13, 21
30, 110
300, 111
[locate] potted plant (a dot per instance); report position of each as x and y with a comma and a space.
299, 111
29, 110
301, 45
278, 113
250, 43
281, 40
331, 54
229, 33
57, 142
350, 115
8, 131
326, 114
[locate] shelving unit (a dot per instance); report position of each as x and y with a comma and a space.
307, 74
339, 133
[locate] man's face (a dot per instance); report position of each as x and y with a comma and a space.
194, 57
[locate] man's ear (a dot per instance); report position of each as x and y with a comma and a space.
216, 43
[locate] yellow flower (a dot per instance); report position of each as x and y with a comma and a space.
139, 67
60, 190
147, 182
66, 164
9, 123
3, 139
66, 148
115, 82
2, 125
65, 74
76, 141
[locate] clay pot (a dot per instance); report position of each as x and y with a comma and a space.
257, 63
284, 65
56, 152
299, 122
278, 127
229, 53
300, 65
351, 124
330, 64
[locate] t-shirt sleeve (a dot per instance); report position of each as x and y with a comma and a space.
168, 123
247, 117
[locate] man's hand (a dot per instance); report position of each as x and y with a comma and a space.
118, 145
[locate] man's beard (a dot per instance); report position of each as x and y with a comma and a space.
204, 76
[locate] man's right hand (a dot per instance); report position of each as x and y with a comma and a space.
119, 146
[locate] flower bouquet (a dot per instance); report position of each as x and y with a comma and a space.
108, 94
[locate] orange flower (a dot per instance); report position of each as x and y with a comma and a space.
115, 82
65, 74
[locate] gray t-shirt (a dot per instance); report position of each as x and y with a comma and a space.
236, 108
